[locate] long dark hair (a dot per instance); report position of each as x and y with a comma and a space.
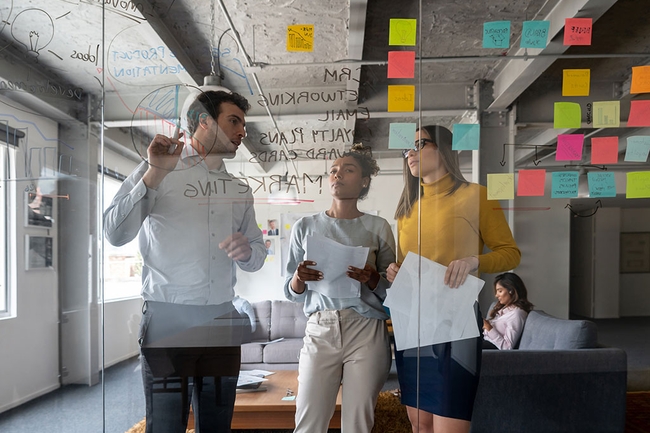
412, 185
517, 290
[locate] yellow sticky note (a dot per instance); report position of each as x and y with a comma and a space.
607, 114
300, 37
575, 82
640, 79
401, 98
638, 184
501, 186
402, 31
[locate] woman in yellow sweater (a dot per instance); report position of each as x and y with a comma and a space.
457, 221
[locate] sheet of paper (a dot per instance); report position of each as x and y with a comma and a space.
443, 313
604, 150
564, 184
638, 184
332, 260
531, 183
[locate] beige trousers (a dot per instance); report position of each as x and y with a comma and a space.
341, 348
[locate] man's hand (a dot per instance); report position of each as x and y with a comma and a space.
161, 161
237, 247
458, 270
391, 271
368, 275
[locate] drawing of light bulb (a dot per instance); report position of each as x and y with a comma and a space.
33, 29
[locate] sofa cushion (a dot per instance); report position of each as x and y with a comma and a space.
263, 321
252, 352
545, 332
288, 319
283, 351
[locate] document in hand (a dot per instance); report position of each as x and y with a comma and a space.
333, 259
445, 314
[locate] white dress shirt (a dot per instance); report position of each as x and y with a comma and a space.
180, 226
507, 326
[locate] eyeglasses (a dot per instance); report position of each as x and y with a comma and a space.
419, 144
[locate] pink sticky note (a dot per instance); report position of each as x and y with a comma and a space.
569, 147
531, 183
639, 113
577, 31
401, 64
604, 150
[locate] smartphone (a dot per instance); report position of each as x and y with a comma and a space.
177, 133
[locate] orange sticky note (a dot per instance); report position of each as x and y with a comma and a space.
639, 113
401, 98
640, 79
575, 82
531, 183
401, 64
577, 31
604, 150
300, 37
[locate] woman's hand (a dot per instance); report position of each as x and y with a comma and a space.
458, 270
486, 325
304, 274
391, 271
368, 275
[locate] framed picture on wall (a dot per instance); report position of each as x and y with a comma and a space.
635, 252
38, 252
38, 210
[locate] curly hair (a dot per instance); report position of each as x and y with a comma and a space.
369, 167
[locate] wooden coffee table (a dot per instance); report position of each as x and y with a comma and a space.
267, 410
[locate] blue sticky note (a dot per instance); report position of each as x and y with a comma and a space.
401, 135
638, 148
601, 184
496, 34
466, 136
534, 34
564, 184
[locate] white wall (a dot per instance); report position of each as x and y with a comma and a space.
635, 288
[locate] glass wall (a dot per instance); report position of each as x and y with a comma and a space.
119, 188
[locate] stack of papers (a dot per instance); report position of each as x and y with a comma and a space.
251, 379
445, 314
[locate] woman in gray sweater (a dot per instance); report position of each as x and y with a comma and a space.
346, 340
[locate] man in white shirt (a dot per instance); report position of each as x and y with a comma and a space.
195, 223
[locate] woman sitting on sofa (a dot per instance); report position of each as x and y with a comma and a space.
502, 329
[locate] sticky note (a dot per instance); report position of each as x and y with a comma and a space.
639, 113
564, 184
401, 64
534, 34
601, 184
569, 147
300, 37
289, 398
496, 34
466, 136
640, 79
576, 82
531, 183
500, 186
607, 114
638, 147
401, 135
567, 115
638, 184
402, 31
577, 31
401, 98
604, 150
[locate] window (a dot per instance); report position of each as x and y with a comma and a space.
122, 265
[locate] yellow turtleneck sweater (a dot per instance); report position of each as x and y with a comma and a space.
458, 226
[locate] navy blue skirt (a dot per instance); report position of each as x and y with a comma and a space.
448, 377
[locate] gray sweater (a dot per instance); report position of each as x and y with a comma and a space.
366, 231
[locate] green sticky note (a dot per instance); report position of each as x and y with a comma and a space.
466, 136
402, 31
638, 148
601, 184
500, 186
567, 115
534, 34
638, 184
401, 135
496, 34
564, 184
